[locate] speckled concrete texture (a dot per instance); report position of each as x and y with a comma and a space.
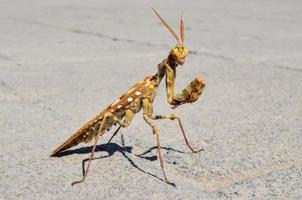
62, 62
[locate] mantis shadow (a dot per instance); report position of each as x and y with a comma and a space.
112, 148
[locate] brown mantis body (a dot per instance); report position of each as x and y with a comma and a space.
141, 96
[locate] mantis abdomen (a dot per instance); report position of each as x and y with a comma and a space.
85, 134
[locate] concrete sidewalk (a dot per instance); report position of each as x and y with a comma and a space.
62, 62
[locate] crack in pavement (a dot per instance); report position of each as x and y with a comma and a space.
112, 38
193, 52
79, 31
285, 67
128, 40
115, 39
270, 19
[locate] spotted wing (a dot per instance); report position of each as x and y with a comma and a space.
135, 92
90, 129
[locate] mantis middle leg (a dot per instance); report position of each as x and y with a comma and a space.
173, 117
149, 117
147, 107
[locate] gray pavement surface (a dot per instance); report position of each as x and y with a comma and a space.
62, 62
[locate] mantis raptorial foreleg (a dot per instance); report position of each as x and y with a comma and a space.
188, 95
129, 114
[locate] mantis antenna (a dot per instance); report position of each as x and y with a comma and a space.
166, 25
182, 31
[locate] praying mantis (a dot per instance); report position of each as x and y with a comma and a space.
141, 97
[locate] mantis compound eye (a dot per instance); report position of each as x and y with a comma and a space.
185, 52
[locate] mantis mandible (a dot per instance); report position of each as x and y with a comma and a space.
141, 97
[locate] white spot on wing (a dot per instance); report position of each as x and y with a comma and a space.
119, 106
130, 90
137, 93
130, 99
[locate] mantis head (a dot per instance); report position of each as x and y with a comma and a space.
179, 52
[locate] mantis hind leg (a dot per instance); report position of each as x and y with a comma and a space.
108, 116
113, 135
